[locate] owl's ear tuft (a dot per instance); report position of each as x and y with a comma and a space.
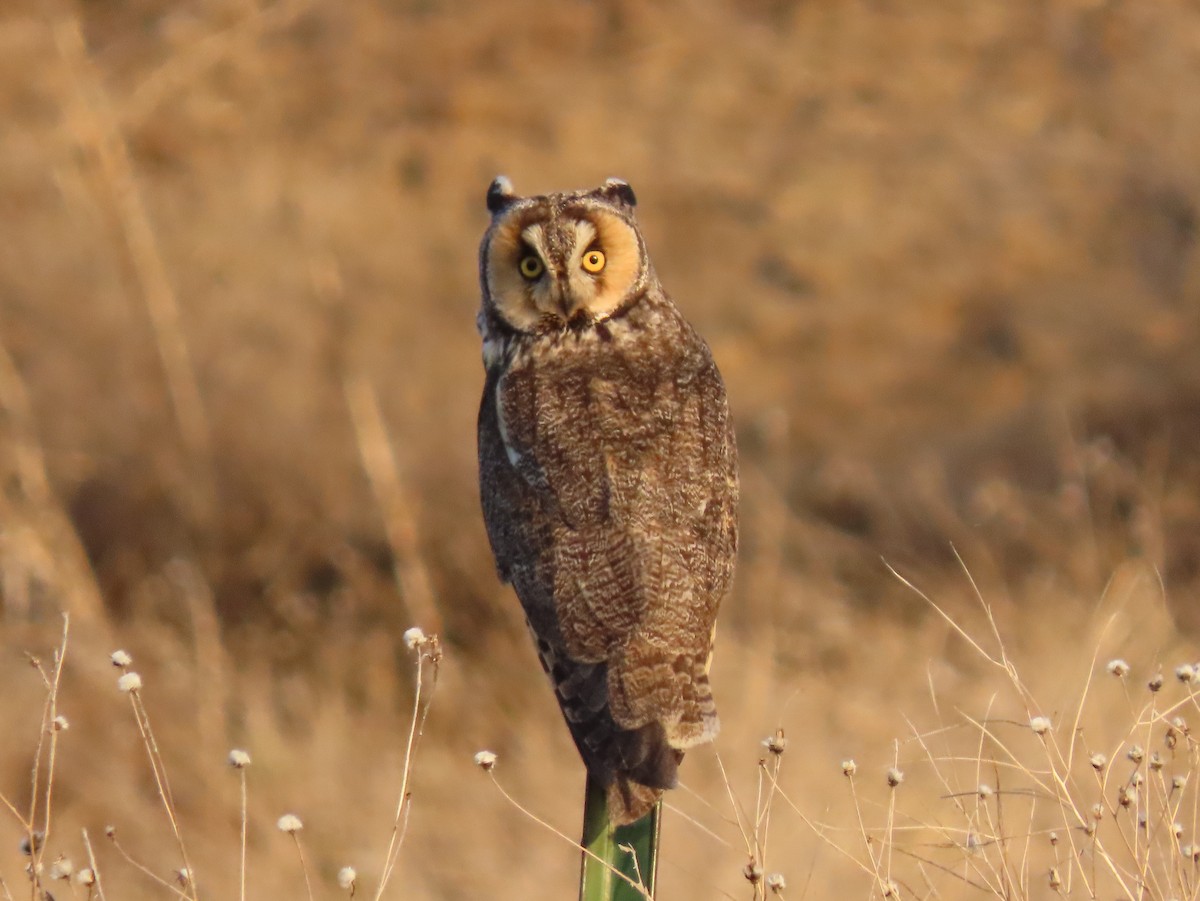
500, 194
617, 190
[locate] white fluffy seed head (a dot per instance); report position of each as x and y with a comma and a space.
60, 724
414, 638
1135, 753
183, 876
1040, 725
1185, 673
849, 767
120, 658
984, 791
62, 868
289, 823
894, 776
239, 759
1098, 760
1156, 682
776, 883
1118, 668
130, 681
86, 876
346, 877
485, 760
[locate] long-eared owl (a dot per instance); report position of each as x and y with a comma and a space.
608, 475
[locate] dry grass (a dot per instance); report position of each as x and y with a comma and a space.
946, 259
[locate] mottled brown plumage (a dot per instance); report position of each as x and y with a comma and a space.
608, 476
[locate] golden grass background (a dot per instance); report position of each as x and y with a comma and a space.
945, 256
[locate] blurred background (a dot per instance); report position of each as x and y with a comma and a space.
945, 256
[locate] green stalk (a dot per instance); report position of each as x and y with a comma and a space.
597, 882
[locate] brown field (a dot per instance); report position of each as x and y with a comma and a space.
946, 256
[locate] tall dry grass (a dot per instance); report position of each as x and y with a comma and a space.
946, 260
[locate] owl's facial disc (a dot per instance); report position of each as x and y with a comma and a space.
580, 264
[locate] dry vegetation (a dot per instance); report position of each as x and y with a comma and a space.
946, 257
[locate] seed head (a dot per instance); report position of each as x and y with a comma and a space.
130, 681
753, 872
86, 876
894, 776
31, 843
776, 743
1118, 668
1185, 673
62, 868
346, 877
1156, 682
1156, 761
120, 658
1179, 782
776, 883
183, 876
60, 724
239, 759
1098, 760
289, 823
984, 791
414, 638
1055, 878
1040, 725
485, 760
1135, 753
1177, 830
849, 767
1053, 838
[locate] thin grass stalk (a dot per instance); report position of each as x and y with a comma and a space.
158, 767
303, 866
242, 871
427, 648
95, 867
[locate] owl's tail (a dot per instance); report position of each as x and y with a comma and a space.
646, 764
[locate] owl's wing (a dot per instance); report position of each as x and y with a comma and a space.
628, 465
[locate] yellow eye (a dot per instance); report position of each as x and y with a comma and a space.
531, 267
593, 261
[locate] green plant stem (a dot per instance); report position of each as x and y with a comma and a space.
607, 847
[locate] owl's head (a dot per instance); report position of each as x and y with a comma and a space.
561, 259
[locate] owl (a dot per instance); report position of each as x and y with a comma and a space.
608, 478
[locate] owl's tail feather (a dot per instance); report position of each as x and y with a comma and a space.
629, 801
646, 764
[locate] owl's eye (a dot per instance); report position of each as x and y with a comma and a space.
593, 261
531, 267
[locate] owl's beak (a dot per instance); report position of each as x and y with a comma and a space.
563, 297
